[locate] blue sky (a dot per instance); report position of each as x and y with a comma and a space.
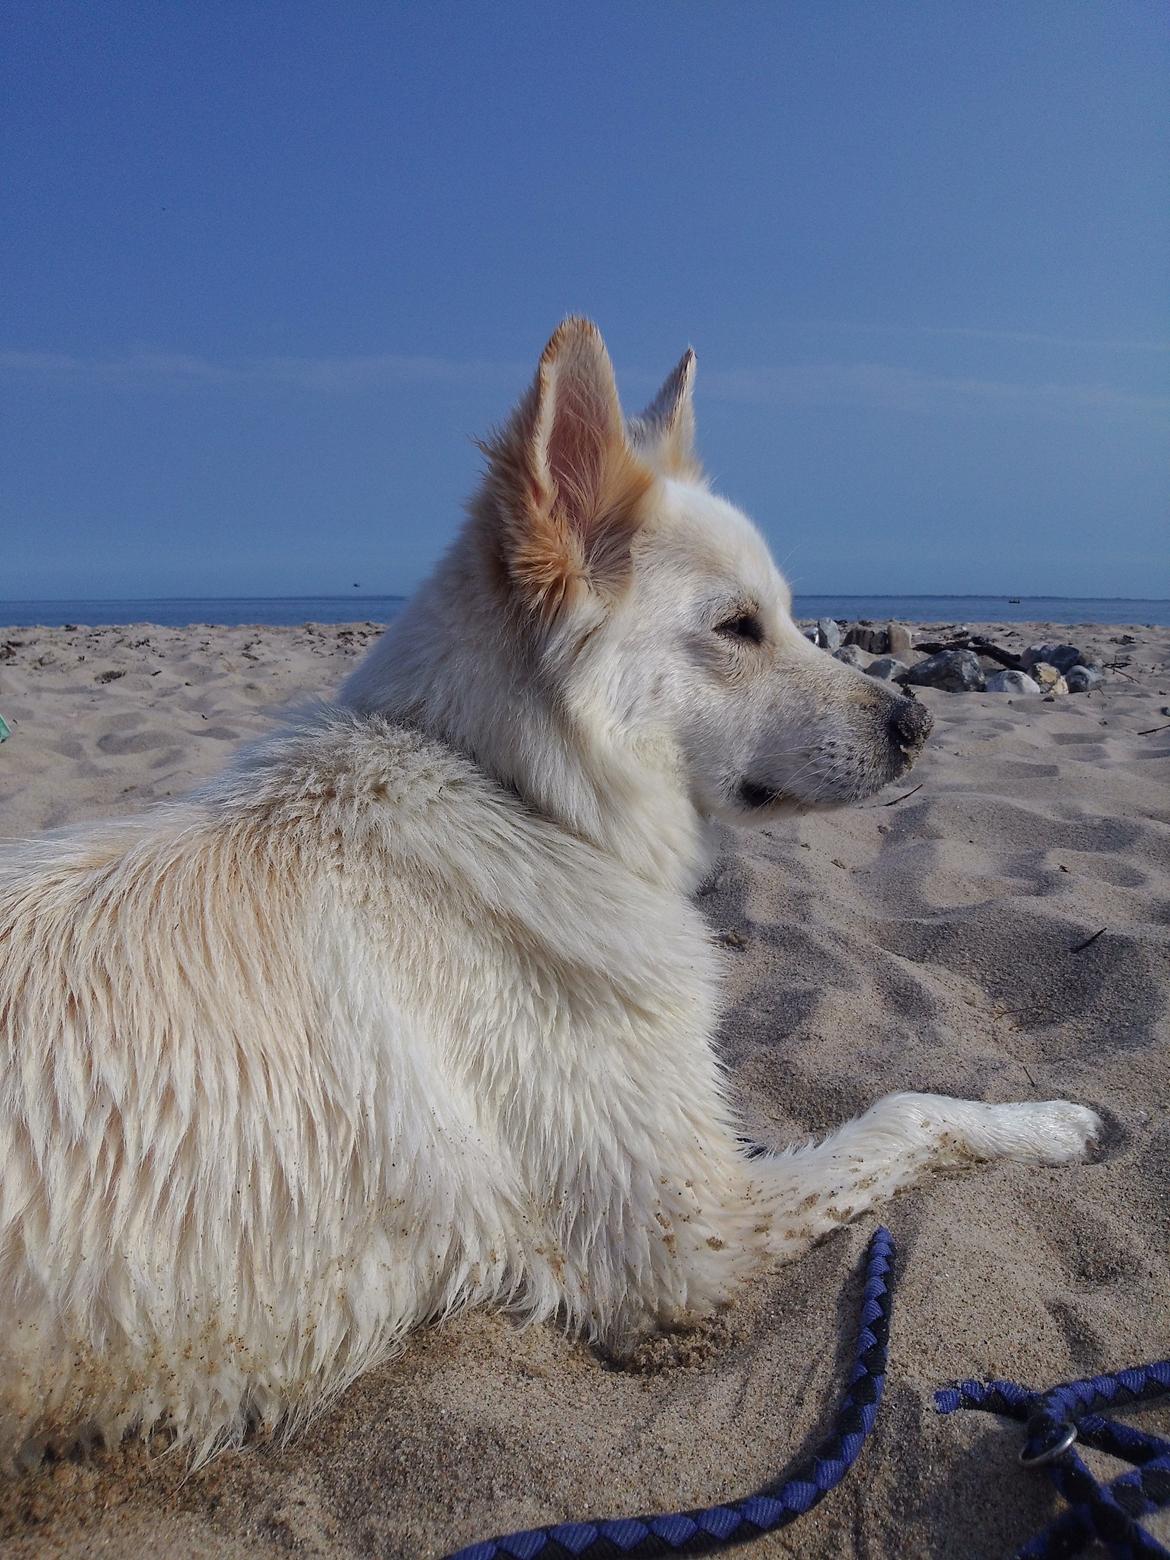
268, 268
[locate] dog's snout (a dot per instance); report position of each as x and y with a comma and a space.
910, 724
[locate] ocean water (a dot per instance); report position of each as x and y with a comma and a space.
232, 611
228, 611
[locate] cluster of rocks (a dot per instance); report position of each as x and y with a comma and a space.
968, 663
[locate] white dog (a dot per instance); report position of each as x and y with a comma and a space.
410, 1009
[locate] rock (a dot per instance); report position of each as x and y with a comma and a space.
1012, 682
852, 656
1079, 679
828, 634
957, 671
887, 667
899, 639
1049, 678
1061, 656
866, 637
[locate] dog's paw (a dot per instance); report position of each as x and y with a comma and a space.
1047, 1132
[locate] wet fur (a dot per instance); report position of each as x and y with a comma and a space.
411, 1008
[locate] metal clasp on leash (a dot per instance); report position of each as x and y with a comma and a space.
1050, 1453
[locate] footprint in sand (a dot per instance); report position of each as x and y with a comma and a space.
67, 747
1108, 869
117, 743
1021, 769
168, 758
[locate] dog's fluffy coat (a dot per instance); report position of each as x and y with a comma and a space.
411, 1008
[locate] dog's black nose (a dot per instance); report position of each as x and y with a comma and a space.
910, 724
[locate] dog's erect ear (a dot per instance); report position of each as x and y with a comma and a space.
665, 432
568, 489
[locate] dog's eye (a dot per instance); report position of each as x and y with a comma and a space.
745, 625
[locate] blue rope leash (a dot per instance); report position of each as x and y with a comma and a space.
1056, 1420
702, 1532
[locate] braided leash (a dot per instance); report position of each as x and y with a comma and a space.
702, 1532
1107, 1513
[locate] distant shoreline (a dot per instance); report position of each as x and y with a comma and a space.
292, 611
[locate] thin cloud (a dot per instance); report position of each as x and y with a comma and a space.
875, 385
889, 387
1030, 338
1040, 339
331, 375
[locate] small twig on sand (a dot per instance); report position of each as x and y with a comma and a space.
895, 800
1149, 731
1028, 1074
1034, 1015
1089, 941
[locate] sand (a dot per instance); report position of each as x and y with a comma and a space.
928, 943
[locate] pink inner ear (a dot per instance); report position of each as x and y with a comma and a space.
581, 430
564, 491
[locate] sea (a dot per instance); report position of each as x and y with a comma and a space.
178, 612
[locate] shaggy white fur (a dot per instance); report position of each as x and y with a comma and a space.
410, 1009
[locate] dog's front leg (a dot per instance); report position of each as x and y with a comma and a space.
806, 1192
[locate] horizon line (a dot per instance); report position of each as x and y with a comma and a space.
389, 595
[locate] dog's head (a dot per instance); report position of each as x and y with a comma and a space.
659, 620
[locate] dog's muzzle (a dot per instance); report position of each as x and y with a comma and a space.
910, 725
757, 796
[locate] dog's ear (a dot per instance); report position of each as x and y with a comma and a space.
568, 491
665, 433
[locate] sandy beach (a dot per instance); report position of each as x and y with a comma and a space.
926, 940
